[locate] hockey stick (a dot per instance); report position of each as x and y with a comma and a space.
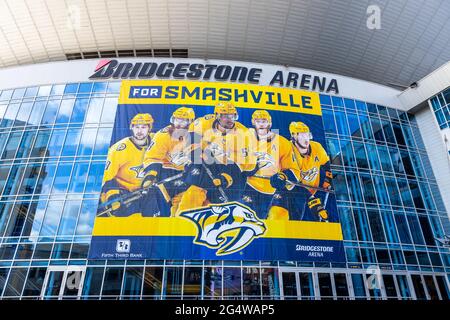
298, 184
221, 191
135, 195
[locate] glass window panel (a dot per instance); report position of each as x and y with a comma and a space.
172, 280
212, 282
325, 99
14, 179
389, 226
71, 88
270, 284
306, 285
354, 185
377, 129
12, 145
79, 110
366, 129
325, 287
381, 190
376, 226
44, 91
16, 282
109, 110
103, 141
62, 176
389, 285
4, 172
340, 186
355, 129
402, 227
347, 223
37, 112
3, 276
132, 282
87, 216
251, 283
56, 143
407, 164
94, 180
347, 153
113, 281
87, 142
328, 121
92, 282
78, 179
31, 91
396, 160
99, 87
368, 188
368, 255
383, 256
341, 123
30, 178
51, 220
40, 143
71, 143
85, 87
113, 87
418, 287
18, 93
94, 110
384, 158
361, 157
23, 114
393, 192
10, 114
192, 286
443, 287
65, 110
397, 257
61, 251
358, 285
152, 281
38, 218
373, 157
25, 144
435, 259
353, 255
362, 225
50, 112
398, 134
361, 106
289, 285
43, 251
3, 139
46, 178
17, 219
415, 229
232, 282
404, 193
57, 89
6, 94
334, 151
388, 132
69, 218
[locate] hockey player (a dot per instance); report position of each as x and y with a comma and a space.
274, 154
167, 157
312, 159
123, 166
221, 155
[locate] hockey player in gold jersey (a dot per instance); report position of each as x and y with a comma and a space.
221, 154
166, 157
123, 166
314, 165
274, 154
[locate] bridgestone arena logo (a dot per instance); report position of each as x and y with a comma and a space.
196, 71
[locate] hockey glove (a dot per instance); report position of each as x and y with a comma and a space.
279, 180
223, 180
316, 207
327, 181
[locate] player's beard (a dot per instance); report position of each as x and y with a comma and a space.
140, 141
228, 125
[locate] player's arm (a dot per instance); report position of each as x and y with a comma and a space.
110, 188
288, 170
326, 176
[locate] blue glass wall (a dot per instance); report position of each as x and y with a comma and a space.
441, 107
53, 147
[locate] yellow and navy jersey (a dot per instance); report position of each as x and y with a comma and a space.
280, 149
162, 148
124, 163
310, 164
236, 142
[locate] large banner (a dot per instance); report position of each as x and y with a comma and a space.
209, 170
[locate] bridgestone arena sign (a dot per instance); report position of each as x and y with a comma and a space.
107, 69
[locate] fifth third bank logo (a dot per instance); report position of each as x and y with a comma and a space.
123, 246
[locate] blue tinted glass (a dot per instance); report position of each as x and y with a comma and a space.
388, 132
94, 181
51, 219
30, 178
354, 187
6, 95
384, 158
355, 129
38, 217
99, 87
376, 226
362, 225
85, 87
341, 123
50, 112
11, 146
389, 226
353, 255
340, 186
56, 143
103, 141
407, 164
58, 89
415, 229
328, 121
79, 174
415, 192
71, 142
393, 192
69, 218
361, 157
31, 92
23, 114
95, 110
40, 143
79, 110
71, 88
87, 141
46, 178
361, 106
37, 112
87, 216
44, 91
404, 193
377, 129
368, 255
113, 87
381, 190
382, 110
368, 188
372, 108
347, 154
402, 227
337, 101
18, 93
62, 176
373, 157
324, 99
334, 151
12, 185
348, 226
358, 285
65, 111
365, 127
25, 144
350, 104
10, 114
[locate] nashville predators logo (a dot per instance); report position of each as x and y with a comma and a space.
219, 222
309, 175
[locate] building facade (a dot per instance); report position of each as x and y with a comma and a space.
56, 127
